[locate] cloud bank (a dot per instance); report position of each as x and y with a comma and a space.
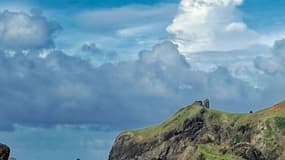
61, 89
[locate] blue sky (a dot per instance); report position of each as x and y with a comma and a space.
87, 3
265, 15
76, 73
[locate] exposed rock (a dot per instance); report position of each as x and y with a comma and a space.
193, 127
4, 152
247, 151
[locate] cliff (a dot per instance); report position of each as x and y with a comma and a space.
199, 133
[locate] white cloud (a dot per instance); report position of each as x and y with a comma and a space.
106, 20
20, 31
138, 30
236, 26
210, 25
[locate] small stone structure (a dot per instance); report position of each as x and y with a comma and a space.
205, 103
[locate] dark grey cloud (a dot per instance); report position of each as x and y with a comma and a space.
21, 31
91, 50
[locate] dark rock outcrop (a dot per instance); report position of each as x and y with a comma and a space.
193, 127
4, 152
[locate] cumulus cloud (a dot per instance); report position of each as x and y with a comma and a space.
60, 89
210, 25
21, 31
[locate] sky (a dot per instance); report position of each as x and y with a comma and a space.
76, 73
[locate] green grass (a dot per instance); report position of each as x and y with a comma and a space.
176, 122
212, 117
212, 153
280, 122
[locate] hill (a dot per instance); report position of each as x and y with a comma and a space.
199, 133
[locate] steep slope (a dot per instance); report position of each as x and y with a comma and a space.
198, 133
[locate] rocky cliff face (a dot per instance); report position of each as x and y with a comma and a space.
200, 133
4, 152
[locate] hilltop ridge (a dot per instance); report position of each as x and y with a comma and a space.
197, 132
